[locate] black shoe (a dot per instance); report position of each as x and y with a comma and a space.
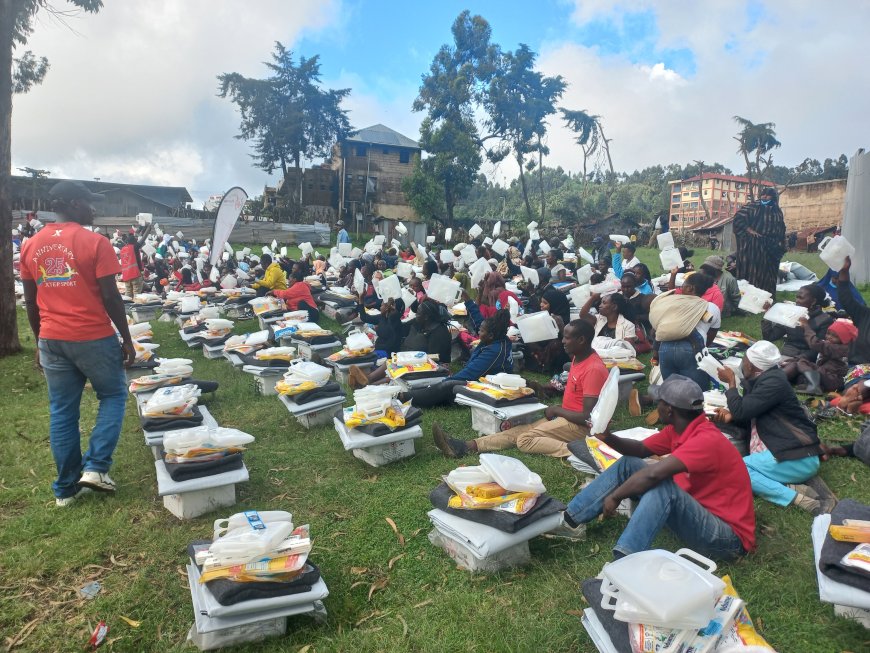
450, 447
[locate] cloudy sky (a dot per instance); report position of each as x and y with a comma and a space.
131, 93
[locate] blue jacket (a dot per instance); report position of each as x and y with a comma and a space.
343, 237
490, 359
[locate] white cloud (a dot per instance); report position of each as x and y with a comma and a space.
799, 66
660, 72
131, 93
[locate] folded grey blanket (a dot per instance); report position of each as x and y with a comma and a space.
503, 521
833, 551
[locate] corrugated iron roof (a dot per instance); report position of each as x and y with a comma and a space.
716, 175
809, 231
716, 223
382, 135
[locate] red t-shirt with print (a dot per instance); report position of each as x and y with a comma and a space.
585, 379
715, 475
65, 260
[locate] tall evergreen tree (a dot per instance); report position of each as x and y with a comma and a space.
287, 116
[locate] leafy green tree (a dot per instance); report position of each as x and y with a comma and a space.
449, 93
423, 193
17, 75
287, 116
518, 102
755, 140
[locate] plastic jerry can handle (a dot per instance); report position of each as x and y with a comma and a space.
697, 558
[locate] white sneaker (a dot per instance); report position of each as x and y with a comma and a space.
66, 501
98, 481
563, 530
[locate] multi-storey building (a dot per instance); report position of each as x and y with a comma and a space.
708, 197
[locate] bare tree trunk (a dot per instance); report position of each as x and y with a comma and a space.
750, 194
611, 186
524, 187
585, 178
9, 343
701, 189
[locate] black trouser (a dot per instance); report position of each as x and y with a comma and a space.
313, 313
439, 393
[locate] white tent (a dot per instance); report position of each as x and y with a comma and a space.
856, 212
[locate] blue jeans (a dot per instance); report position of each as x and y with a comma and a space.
67, 366
666, 504
678, 357
769, 476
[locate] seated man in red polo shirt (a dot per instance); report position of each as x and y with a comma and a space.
564, 423
701, 491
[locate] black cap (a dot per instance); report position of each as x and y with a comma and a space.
679, 391
67, 191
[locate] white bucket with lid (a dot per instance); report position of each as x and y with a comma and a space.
584, 274
389, 288
671, 258
586, 256
500, 247
834, 250
404, 270
478, 271
345, 249
468, 254
786, 315
665, 241
580, 295
475, 231
535, 327
444, 290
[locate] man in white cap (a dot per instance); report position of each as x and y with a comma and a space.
784, 446
700, 491
72, 302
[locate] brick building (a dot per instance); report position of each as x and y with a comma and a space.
722, 195
371, 166
814, 204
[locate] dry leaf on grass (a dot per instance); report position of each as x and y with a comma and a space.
12, 642
118, 562
574, 613
378, 585
130, 622
370, 615
358, 583
404, 625
422, 603
396, 531
304, 649
356, 571
394, 560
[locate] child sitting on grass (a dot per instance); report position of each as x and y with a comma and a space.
827, 372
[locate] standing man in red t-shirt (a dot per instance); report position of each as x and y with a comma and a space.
72, 300
563, 424
700, 491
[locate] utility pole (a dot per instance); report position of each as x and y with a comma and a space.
502, 208
36, 174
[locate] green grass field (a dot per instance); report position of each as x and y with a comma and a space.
385, 594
